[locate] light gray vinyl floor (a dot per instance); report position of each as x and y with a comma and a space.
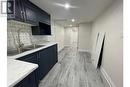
74, 69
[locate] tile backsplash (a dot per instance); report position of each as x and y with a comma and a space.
26, 37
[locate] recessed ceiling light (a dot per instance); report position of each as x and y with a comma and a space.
67, 6
73, 20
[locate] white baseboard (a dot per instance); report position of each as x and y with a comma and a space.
83, 50
67, 45
107, 78
61, 49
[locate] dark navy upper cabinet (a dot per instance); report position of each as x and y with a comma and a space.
18, 12
30, 12
43, 17
26, 11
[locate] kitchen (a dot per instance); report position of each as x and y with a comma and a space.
61, 43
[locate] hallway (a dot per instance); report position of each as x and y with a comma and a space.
74, 69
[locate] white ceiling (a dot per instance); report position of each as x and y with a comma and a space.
85, 11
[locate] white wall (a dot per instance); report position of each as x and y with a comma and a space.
58, 35
67, 36
84, 37
111, 22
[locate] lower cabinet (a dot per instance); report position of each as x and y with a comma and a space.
45, 59
29, 81
32, 58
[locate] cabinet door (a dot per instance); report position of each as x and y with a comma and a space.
44, 56
55, 54
18, 11
30, 12
48, 19
32, 58
47, 59
42, 16
29, 81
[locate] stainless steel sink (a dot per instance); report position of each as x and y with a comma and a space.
34, 46
15, 52
24, 49
12, 52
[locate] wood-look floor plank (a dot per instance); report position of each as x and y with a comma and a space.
74, 69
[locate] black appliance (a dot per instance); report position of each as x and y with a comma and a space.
41, 29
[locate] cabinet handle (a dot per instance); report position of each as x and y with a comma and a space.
22, 14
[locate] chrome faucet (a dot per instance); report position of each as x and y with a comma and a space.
20, 44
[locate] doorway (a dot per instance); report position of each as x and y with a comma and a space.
71, 36
74, 37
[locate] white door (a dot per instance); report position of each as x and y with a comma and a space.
98, 47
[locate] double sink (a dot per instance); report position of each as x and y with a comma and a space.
24, 49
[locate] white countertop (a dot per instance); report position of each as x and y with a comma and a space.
18, 70
32, 51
